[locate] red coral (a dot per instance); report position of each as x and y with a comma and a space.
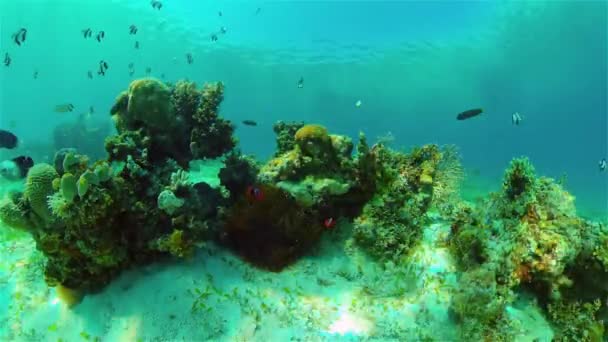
273, 232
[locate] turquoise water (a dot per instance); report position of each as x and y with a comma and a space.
414, 65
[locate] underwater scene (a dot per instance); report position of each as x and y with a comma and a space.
216, 170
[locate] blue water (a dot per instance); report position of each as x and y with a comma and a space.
414, 66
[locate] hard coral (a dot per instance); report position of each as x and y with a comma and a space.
38, 186
211, 135
313, 140
149, 103
285, 132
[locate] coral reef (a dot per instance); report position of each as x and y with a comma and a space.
92, 221
179, 122
285, 132
529, 237
238, 173
392, 221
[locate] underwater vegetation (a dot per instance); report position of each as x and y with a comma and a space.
527, 238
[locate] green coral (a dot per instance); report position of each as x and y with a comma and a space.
391, 222
577, 321
211, 135
69, 189
285, 135
38, 186
149, 101
14, 214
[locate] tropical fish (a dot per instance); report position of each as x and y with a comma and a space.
516, 118
254, 193
19, 36
219, 13
258, 10
189, 58
301, 82
35, 74
7, 59
103, 67
249, 123
8, 140
467, 114
603, 164
132, 29
156, 4
137, 45
223, 30
64, 108
100, 36
214, 37
358, 103
90, 74
87, 33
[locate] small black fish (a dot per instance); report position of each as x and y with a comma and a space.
467, 114
137, 45
8, 140
7, 59
131, 65
219, 13
148, 70
132, 29
189, 58
249, 123
156, 4
64, 108
131, 72
35, 74
19, 36
301, 82
24, 164
103, 66
214, 37
91, 109
87, 33
90, 74
257, 11
100, 36
223, 30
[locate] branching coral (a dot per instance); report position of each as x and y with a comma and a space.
285, 132
391, 222
211, 135
448, 176
577, 321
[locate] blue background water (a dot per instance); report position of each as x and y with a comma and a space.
414, 66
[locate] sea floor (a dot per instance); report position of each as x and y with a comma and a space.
334, 294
